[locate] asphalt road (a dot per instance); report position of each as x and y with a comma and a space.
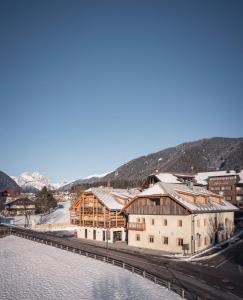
227, 268
217, 278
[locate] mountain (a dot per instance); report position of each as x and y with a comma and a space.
7, 183
203, 155
33, 182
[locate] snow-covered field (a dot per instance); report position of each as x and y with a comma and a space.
30, 270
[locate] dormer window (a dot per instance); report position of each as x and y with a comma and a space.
155, 201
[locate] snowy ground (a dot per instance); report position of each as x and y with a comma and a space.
59, 215
30, 271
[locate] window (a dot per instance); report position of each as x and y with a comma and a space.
138, 220
165, 222
138, 237
198, 223
228, 198
155, 201
151, 239
143, 220
94, 234
165, 240
239, 198
205, 241
86, 233
226, 188
152, 222
179, 242
179, 223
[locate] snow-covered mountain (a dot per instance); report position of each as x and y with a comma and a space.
34, 181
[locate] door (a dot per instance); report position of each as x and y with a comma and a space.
117, 236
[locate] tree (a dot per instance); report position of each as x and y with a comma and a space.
45, 200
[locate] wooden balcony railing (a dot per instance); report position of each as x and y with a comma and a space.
136, 226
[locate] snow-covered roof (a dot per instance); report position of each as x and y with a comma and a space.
174, 190
201, 178
167, 178
108, 196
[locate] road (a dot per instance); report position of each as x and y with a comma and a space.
217, 278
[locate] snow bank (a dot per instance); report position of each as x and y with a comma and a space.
32, 271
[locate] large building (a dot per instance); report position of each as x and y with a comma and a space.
96, 212
229, 184
177, 217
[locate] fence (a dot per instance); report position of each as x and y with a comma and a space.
53, 227
4, 232
157, 280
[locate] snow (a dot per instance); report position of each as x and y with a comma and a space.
19, 220
167, 178
35, 179
31, 271
97, 175
202, 177
161, 188
60, 215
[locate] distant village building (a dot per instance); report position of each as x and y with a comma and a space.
9, 193
97, 213
177, 217
20, 206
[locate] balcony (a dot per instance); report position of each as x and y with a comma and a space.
136, 226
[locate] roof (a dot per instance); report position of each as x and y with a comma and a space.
173, 190
10, 200
108, 196
167, 177
202, 177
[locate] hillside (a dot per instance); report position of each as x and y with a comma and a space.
199, 156
6, 182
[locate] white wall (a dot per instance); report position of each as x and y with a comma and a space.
173, 231
99, 233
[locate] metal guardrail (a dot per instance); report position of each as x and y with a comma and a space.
157, 280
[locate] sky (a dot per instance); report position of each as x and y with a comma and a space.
86, 86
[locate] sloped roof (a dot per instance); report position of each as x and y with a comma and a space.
108, 196
202, 177
167, 178
173, 190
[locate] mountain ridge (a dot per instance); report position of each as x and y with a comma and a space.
204, 155
33, 182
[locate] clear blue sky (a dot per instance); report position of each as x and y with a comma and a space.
88, 85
